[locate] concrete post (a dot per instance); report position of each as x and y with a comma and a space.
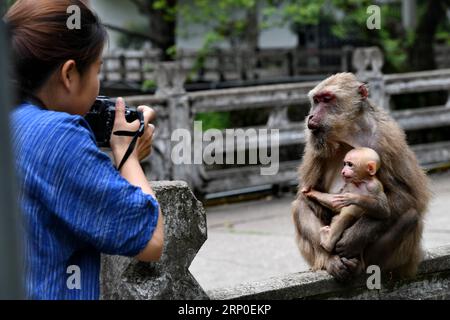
409, 14
185, 233
170, 80
368, 63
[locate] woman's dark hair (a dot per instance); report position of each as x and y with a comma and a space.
41, 40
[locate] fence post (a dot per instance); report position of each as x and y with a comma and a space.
345, 58
290, 63
221, 65
142, 66
447, 105
123, 67
10, 248
170, 79
368, 63
185, 231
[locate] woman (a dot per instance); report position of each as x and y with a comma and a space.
75, 202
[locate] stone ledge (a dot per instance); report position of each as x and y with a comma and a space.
185, 232
432, 282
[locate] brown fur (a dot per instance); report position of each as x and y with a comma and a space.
405, 183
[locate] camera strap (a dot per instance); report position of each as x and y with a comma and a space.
135, 135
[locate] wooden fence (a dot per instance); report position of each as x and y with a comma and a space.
225, 65
442, 54
178, 109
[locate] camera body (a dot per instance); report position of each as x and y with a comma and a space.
101, 119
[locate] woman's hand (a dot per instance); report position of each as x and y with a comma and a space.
144, 144
132, 171
120, 144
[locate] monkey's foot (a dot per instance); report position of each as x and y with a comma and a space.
325, 238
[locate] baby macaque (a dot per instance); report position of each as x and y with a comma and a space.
361, 187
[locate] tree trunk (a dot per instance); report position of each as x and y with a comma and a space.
162, 25
252, 40
421, 52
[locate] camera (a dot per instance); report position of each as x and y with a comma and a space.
101, 119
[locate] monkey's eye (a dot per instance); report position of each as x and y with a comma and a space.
315, 100
326, 98
348, 164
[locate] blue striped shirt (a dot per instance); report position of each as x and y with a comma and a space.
75, 205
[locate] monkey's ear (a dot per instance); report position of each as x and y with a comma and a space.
363, 91
371, 168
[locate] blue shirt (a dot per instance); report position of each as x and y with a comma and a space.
75, 205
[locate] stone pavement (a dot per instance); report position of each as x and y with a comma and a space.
255, 240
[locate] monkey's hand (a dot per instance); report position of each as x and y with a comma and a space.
343, 200
310, 193
342, 269
306, 190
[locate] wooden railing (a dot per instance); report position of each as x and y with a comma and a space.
225, 65
442, 54
221, 65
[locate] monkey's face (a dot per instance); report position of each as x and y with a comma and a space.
348, 172
326, 120
353, 170
335, 104
357, 167
323, 106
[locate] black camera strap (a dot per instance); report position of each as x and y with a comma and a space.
135, 136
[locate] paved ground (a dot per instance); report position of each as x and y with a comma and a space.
255, 240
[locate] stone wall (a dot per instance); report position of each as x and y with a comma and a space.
185, 227
432, 282
185, 233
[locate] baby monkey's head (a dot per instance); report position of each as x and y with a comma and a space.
360, 164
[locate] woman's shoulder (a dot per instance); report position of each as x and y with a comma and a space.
51, 142
31, 119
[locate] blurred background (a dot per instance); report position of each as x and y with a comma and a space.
240, 42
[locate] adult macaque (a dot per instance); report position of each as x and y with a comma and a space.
361, 188
342, 118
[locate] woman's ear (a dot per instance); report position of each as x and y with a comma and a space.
68, 74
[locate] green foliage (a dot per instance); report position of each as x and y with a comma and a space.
443, 36
443, 33
148, 84
226, 21
306, 13
4, 6
214, 120
9, 3
172, 51
223, 18
349, 18
211, 39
